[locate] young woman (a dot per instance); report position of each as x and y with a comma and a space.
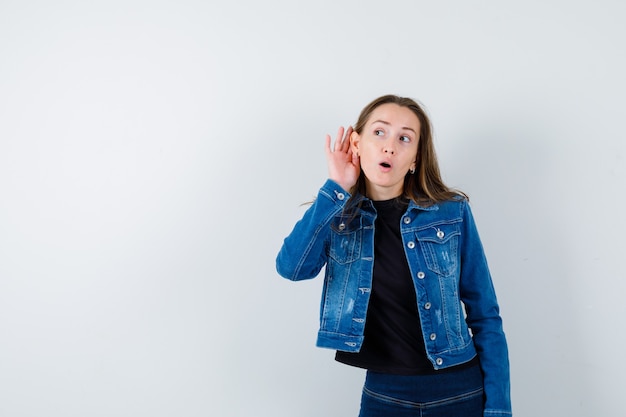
407, 290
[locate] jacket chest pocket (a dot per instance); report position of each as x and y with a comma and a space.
345, 239
439, 245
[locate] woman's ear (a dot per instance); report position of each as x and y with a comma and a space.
355, 142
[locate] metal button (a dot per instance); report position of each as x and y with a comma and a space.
433, 336
439, 361
342, 226
341, 196
407, 220
421, 275
411, 245
427, 306
440, 234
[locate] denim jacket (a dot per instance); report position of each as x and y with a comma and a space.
449, 269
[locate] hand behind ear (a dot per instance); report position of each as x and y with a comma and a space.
343, 162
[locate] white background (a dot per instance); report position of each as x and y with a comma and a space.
154, 154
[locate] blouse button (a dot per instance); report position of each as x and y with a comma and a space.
433, 336
421, 275
340, 196
407, 220
342, 226
440, 234
411, 245
427, 306
439, 361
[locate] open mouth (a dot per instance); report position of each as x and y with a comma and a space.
385, 165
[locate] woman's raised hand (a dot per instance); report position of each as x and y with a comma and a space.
343, 164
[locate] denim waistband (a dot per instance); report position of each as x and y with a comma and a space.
425, 388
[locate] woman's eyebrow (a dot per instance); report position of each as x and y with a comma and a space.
389, 124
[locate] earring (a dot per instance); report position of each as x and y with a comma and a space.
412, 171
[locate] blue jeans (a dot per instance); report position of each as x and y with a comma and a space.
449, 394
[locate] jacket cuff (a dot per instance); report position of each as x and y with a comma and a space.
335, 192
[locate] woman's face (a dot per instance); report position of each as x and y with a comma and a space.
387, 148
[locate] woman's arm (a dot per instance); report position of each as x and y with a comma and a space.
483, 317
304, 253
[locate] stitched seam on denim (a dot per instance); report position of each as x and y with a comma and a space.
435, 223
455, 349
430, 404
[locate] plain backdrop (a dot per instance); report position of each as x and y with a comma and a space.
154, 154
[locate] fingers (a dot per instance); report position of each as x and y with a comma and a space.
346, 139
348, 134
342, 141
339, 139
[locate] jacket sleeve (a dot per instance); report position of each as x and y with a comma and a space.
303, 253
483, 318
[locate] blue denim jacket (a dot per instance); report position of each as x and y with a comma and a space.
449, 270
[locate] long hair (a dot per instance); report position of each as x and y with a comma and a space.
424, 186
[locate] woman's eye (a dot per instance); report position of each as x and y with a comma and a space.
378, 132
405, 138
